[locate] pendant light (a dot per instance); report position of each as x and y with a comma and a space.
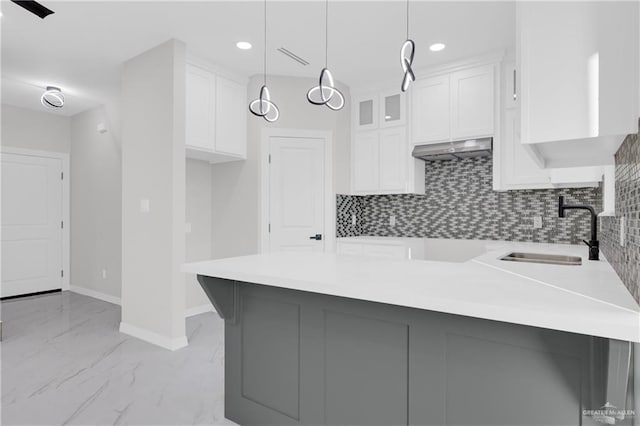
406, 58
263, 106
325, 93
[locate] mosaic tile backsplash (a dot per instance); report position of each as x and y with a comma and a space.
625, 260
460, 203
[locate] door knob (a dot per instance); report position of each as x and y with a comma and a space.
316, 237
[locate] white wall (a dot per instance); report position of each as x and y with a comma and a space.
236, 190
198, 241
153, 168
95, 206
31, 129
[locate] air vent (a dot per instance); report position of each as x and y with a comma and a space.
293, 56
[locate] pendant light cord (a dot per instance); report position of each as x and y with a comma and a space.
326, 34
264, 70
407, 19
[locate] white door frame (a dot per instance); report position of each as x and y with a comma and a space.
329, 192
64, 158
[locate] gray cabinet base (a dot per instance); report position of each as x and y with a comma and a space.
297, 358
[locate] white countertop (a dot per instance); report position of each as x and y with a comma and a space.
586, 299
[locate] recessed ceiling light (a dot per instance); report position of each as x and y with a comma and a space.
244, 45
436, 47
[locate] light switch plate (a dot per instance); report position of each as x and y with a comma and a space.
392, 220
145, 206
354, 219
187, 228
623, 230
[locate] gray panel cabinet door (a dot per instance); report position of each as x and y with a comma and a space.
366, 365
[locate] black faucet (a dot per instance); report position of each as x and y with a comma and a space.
594, 245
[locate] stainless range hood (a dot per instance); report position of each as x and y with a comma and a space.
454, 150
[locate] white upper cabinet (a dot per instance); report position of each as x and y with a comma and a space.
366, 153
578, 78
517, 166
394, 158
472, 102
365, 112
380, 161
231, 117
430, 110
379, 110
200, 108
392, 109
380, 151
455, 105
216, 114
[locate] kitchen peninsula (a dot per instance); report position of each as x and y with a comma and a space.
342, 339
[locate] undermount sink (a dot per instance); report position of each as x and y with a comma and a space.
550, 259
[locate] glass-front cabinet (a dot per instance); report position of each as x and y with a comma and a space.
379, 110
392, 109
366, 112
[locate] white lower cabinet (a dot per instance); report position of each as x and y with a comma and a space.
386, 250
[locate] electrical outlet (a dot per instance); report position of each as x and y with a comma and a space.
354, 220
537, 222
623, 231
104, 274
392, 220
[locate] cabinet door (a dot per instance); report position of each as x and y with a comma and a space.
430, 110
365, 162
472, 102
200, 108
392, 109
394, 156
349, 248
231, 118
385, 250
519, 170
365, 112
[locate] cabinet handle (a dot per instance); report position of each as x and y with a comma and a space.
515, 94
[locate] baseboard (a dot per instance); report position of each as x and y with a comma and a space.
154, 338
197, 310
95, 294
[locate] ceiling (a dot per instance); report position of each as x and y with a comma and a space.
82, 46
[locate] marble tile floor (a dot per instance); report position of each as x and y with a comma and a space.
65, 363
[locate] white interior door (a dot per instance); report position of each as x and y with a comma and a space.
31, 224
296, 194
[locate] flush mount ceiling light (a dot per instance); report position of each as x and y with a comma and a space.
436, 47
52, 97
263, 106
243, 45
407, 53
325, 93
